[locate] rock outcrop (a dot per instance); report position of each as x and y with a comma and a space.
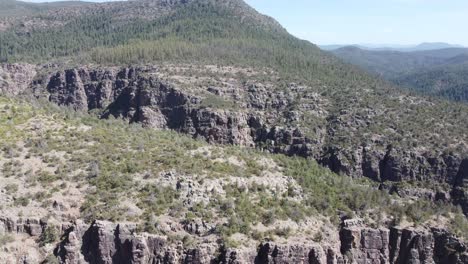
32, 227
262, 117
104, 242
16, 78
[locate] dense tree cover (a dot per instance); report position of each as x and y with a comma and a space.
393, 64
76, 36
440, 73
448, 81
201, 31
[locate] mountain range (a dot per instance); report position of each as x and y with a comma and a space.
201, 131
441, 72
389, 47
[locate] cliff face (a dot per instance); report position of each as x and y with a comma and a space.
294, 121
105, 242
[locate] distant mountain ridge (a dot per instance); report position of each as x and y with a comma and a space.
389, 47
439, 72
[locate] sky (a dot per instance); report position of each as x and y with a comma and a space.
403, 22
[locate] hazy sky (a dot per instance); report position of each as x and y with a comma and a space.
370, 21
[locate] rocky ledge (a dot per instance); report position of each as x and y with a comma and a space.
105, 242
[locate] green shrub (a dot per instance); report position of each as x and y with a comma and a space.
48, 236
21, 201
11, 188
6, 239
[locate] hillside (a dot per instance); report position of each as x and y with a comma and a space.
12, 8
392, 64
446, 81
438, 73
189, 201
202, 132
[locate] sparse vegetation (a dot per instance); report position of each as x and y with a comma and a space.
49, 235
67, 165
6, 239
117, 179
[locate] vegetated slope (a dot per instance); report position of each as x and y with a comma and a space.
221, 72
77, 29
391, 64
366, 127
12, 8
437, 72
204, 30
183, 201
448, 81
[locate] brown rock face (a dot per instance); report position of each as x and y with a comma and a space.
106, 243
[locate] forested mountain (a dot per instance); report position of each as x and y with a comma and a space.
440, 73
200, 131
446, 81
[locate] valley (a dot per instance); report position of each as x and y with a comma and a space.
174, 131
438, 73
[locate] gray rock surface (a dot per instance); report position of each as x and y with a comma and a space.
105, 242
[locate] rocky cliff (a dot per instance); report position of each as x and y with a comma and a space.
106, 242
226, 108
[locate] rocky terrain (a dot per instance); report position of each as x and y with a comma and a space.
185, 201
202, 132
105, 242
215, 104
